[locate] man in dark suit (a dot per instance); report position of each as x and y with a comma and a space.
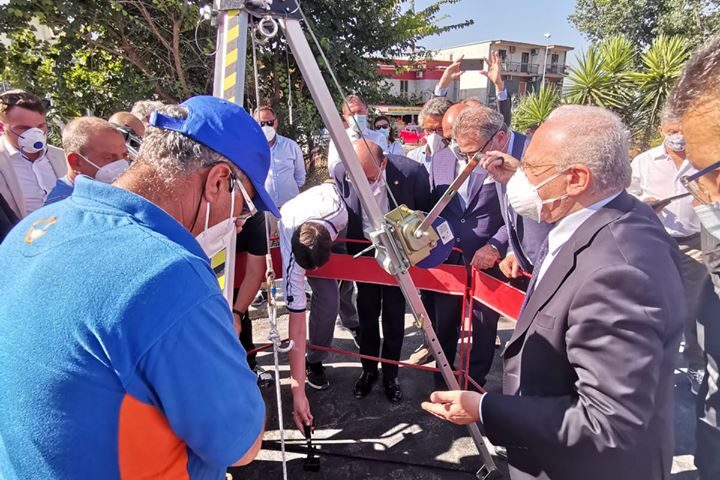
521, 237
475, 217
588, 381
407, 180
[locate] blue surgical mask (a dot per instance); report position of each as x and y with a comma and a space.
675, 142
385, 132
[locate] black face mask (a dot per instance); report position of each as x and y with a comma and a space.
711, 257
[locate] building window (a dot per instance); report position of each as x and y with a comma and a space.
554, 58
502, 54
403, 88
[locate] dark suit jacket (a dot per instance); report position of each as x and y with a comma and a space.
480, 222
523, 236
8, 219
588, 378
408, 182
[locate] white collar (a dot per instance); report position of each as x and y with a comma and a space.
8, 146
567, 226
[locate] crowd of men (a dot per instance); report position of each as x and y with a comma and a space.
119, 352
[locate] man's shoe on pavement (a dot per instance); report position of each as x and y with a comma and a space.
316, 377
392, 389
260, 299
421, 356
264, 378
364, 384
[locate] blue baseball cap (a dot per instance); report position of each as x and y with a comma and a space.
229, 130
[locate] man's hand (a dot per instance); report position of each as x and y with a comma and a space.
494, 71
301, 410
451, 73
500, 165
486, 257
510, 266
459, 407
237, 322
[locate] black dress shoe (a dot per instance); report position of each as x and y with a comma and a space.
364, 384
392, 390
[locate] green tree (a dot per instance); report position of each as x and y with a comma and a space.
104, 54
534, 108
641, 21
661, 66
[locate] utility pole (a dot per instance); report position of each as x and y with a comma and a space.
547, 45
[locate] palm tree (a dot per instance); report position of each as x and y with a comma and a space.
534, 108
600, 76
661, 66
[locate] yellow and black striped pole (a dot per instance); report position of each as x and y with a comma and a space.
232, 47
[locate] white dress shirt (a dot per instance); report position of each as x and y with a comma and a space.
395, 148
36, 178
421, 156
287, 170
322, 204
654, 175
372, 135
566, 228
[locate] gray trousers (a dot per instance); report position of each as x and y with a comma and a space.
329, 299
707, 435
694, 275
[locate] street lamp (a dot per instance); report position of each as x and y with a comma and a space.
547, 45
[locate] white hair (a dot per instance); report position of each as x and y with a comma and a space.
172, 154
143, 108
479, 121
596, 138
78, 134
435, 107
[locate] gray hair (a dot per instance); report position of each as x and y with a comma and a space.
77, 134
172, 154
700, 79
478, 121
143, 108
597, 138
435, 107
349, 100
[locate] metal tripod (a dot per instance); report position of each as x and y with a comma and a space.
231, 67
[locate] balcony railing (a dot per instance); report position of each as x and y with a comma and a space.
557, 68
519, 67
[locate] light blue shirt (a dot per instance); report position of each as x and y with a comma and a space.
287, 170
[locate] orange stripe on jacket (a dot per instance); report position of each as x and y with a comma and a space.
147, 446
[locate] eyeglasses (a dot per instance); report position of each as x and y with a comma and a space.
382, 125
249, 208
696, 189
467, 157
430, 131
267, 123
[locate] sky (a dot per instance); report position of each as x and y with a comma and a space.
519, 20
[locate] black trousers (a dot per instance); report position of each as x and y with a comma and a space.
446, 312
374, 301
707, 434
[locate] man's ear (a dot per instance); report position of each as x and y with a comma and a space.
217, 181
73, 160
580, 180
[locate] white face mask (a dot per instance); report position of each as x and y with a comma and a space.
385, 132
358, 123
32, 140
675, 142
218, 243
378, 186
709, 216
524, 197
269, 133
110, 172
435, 143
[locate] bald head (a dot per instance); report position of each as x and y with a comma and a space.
128, 120
450, 118
371, 156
